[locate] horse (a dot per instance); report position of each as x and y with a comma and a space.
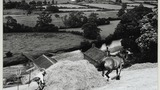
111, 63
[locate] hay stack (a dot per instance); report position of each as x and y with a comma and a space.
73, 56
69, 75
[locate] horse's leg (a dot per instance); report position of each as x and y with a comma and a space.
107, 74
103, 73
118, 75
117, 71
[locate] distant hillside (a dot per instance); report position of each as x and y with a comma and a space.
59, 1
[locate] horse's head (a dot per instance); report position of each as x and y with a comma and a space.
123, 54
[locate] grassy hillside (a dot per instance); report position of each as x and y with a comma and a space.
36, 44
39, 41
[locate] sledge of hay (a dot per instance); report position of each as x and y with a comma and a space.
77, 75
73, 56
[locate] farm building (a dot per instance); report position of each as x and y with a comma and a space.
94, 55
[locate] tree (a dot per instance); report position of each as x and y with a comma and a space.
57, 16
124, 5
75, 19
25, 6
12, 26
10, 21
44, 23
93, 17
32, 3
52, 1
44, 19
91, 31
129, 30
85, 45
52, 9
39, 3
49, 2
23, 1
45, 2
122, 10
129, 24
148, 40
11, 5
118, 1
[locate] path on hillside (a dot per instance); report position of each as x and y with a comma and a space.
140, 79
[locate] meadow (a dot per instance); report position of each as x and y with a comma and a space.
32, 42
69, 6
108, 6
145, 5
90, 9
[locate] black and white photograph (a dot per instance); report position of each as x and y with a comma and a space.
80, 45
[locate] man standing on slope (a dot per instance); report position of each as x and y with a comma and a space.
40, 79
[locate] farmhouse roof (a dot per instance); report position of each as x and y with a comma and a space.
95, 54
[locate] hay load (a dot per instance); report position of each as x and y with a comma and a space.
77, 75
73, 56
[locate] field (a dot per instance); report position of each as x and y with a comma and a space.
38, 41
108, 6
28, 42
145, 5
70, 6
30, 20
78, 9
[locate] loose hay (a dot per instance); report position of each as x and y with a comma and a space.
69, 75
72, 56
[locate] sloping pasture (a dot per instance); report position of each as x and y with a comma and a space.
37, 42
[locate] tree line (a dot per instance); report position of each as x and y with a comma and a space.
75, 19
32, 5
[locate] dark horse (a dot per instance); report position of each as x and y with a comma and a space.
111, 63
